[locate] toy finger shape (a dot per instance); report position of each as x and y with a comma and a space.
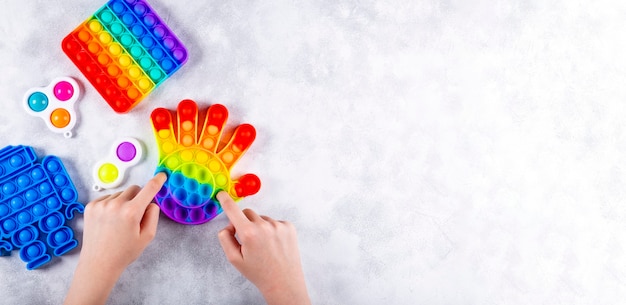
197, 165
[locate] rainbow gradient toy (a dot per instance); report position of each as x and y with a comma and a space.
125, 50
197, 165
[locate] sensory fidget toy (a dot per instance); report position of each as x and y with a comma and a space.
55, 104
109, 173
196, 167
125, 50
35, 201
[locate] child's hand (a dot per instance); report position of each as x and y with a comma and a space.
265, 251
117, 230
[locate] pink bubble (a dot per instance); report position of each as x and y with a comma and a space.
63, 91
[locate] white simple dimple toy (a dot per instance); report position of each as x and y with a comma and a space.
109, 173
55, 104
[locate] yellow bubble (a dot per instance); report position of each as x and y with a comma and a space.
202, 157
186, 155
187, 125
115, 49
144, 83
213, 130
164, 133
105, 38
108, 173
168, 147
214, 166
208, 143
221, 180
228, 157
95, 26
125, 61
134, 72
173, 163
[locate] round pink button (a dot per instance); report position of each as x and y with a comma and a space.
63, 91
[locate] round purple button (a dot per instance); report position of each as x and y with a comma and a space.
126, 151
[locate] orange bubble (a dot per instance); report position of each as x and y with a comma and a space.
84, 36
187, 140
208, 143
132, 93
103, 59
213, 130
113, 70
187, 125
93, 48
60, 118
228, 157
123, 82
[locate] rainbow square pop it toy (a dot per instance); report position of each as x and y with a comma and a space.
35, 201
197, 165
125, 50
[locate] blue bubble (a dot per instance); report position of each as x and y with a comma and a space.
45, 188
16, 161
53, 203
23, 181
38, 101
53, 166
37, 173
68, 194
4, 210
17, 203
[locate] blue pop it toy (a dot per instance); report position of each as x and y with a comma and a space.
35, 201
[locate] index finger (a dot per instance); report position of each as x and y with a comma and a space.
234, 214
147, 193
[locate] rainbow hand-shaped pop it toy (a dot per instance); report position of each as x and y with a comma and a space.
35, 201
196, 164
125, 50
54, 104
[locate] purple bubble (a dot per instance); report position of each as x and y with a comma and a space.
126, 151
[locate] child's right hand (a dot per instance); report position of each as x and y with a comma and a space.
266, 253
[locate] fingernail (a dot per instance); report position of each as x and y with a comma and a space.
220, 195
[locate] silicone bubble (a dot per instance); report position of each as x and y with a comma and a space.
110, 172
37, 199
126, 51
198, 166
55, 104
